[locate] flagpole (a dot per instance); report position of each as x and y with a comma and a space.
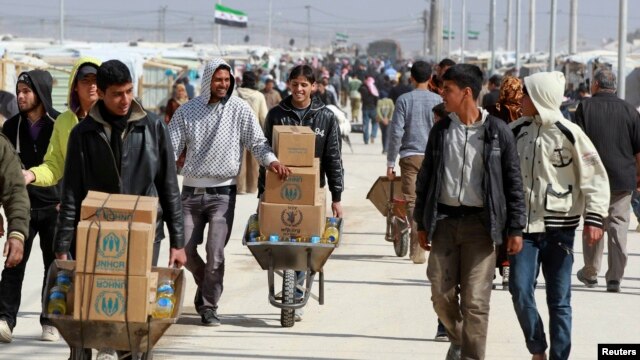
219, 30
463, 30
270, 12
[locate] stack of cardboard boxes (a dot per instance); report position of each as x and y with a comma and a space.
114, 251
295, 207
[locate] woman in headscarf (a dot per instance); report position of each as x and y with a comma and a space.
508, 107
369, 94
179, 98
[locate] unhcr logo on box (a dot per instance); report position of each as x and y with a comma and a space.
109, 303
112, 215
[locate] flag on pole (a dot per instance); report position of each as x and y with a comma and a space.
446, 34
341, 37
473, 35
230, 17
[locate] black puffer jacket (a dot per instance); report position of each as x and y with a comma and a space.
504, 207
147, 168
328, 141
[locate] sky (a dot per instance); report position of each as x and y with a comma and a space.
363, 20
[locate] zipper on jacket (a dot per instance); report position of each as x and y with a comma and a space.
464, 160
113, 156
533, 178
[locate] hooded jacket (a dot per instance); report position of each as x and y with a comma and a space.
562, 173
214, 135
14, 198
50, 171
328, 141
147, 168
32, 152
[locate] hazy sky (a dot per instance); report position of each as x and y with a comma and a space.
362, 20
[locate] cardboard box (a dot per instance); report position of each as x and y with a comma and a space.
300, 188
293, 220
119, 207
103, 248
103, 298
153, 288
294, 145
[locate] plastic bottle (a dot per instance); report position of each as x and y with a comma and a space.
254, 228
63, 280
57, 301
331, 232
314, 239
165, 300
274, 238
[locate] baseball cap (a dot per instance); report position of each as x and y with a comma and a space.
86, 69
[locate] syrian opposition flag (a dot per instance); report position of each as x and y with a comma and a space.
230, 17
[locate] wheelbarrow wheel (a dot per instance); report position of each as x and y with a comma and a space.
147, 356
288, 293
401, 240
78, 353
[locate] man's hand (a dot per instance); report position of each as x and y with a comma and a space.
514, 244
391, 174
282, 171
336, 208
592, 234
423, 240
13, 251
1, 226
62, 256
29, 176
177, 258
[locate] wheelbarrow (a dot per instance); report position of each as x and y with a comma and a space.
386, 196
285, 258
136, 338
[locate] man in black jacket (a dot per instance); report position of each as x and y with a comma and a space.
613, 125
121, 149
468, 197
301, 109
29, 133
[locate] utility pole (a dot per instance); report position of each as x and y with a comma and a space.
507, 43
219, 31
552, 36
61, 21
532, 26
270, 14
463, 33
573, 27
492, 37
163, 23
517, 37
449, 36
425, 33
435, 29
308, 7
622, 48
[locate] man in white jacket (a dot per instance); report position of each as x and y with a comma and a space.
215, 127
563, 178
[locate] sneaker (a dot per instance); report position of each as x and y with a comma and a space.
5, 332
210, 318
454, 353
441, 333
297, 315
590, 283
49, 333
505, 278
107, 354
613, 286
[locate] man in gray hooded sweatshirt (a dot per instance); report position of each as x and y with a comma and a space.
215, 127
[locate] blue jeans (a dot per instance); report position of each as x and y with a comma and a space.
635, 204
369, 117
553, 251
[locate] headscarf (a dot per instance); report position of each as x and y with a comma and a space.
510, 96
370, 82
181, 100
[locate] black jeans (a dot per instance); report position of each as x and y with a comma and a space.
43, 222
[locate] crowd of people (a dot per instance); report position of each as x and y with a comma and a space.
493, 173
